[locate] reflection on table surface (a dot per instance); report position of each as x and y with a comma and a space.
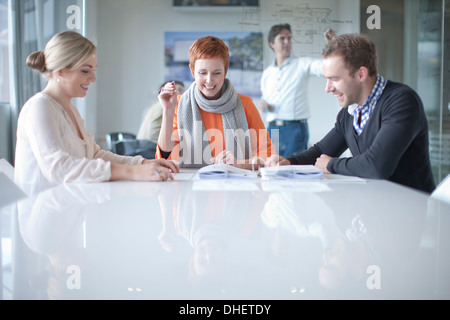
231, 240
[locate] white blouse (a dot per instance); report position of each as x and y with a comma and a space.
49, 150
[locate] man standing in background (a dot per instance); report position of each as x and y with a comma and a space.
284, 86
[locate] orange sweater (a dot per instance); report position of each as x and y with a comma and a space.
261, 143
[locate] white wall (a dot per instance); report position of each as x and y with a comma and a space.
130, 40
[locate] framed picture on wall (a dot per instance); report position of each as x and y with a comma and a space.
214, 3
246, 58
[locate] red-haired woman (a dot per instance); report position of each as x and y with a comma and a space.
211, 123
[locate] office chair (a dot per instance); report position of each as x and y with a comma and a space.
113, 138
144, 148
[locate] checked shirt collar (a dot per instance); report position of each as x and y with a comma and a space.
368, 106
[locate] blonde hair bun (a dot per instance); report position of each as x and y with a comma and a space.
36, 60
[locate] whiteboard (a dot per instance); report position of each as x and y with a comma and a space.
308, 20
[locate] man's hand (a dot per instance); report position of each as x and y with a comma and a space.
322, 163
330, 34
264, 106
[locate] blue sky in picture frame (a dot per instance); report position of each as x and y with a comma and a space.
246, 58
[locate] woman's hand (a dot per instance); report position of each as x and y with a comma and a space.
150, 170
168, 99
276, 160
169, 164
224, 157
156, 170
168, 96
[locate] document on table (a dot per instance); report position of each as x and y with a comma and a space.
225, 171
303, 172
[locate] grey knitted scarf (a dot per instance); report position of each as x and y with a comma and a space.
195, 150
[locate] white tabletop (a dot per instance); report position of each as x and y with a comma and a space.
231, 239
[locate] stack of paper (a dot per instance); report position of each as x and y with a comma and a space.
305, 172
224, 171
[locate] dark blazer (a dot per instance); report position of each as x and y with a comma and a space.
393, 145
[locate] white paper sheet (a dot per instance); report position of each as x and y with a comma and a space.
224, 171
297, 172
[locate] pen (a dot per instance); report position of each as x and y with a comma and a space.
173, 83
174, 87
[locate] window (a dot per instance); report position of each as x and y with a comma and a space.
4, 53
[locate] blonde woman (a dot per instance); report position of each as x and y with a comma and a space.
53, 145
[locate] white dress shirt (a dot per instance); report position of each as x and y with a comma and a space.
49, 150
285, 88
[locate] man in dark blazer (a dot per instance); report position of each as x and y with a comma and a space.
383, 123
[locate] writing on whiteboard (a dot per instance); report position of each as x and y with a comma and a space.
308, 21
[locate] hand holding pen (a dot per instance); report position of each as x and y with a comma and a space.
168, 95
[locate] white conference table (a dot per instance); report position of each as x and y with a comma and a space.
231, 239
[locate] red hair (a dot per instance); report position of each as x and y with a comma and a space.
207, 48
